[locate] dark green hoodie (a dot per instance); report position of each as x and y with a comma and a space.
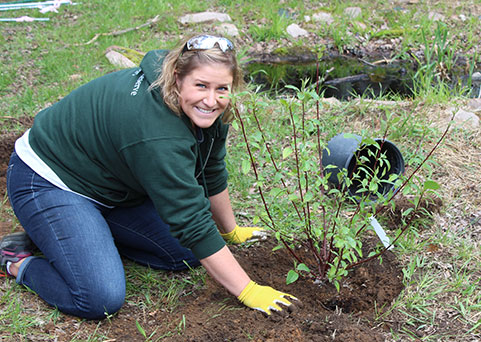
115, 141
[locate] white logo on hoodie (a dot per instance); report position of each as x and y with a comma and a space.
137, 85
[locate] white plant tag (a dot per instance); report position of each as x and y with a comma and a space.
380, 232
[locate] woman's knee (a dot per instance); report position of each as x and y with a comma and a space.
102, 302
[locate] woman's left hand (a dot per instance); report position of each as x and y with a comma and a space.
243, 234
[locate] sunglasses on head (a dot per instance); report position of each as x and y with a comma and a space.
206, 42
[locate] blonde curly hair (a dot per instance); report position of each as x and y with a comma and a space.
182, 63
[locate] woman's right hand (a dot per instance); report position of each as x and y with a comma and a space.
267, 299
225, 269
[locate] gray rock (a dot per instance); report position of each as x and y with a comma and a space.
228, 30
436, 16
476, 77
467, 119
296, 31
203, 17
352, 12
331, 101
119, 60
323, 17
474, 105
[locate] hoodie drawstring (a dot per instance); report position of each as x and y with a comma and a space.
200, 139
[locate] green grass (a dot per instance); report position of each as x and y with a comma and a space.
160, 290
436, 287
12, 318
147, 289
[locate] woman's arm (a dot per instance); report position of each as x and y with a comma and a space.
224, 218
222, 213
225, 269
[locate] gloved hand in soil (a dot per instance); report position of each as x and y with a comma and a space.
243, 234
265, 299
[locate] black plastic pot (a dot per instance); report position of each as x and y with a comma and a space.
344, 151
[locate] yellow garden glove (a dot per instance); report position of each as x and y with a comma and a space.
243, 234
264, 298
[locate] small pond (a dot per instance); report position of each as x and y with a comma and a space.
345, 77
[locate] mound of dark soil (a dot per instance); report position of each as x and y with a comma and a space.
325, 315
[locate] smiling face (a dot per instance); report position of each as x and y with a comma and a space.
204, 93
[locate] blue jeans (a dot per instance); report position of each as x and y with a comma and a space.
81, 272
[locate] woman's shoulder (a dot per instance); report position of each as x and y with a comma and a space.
151, 64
